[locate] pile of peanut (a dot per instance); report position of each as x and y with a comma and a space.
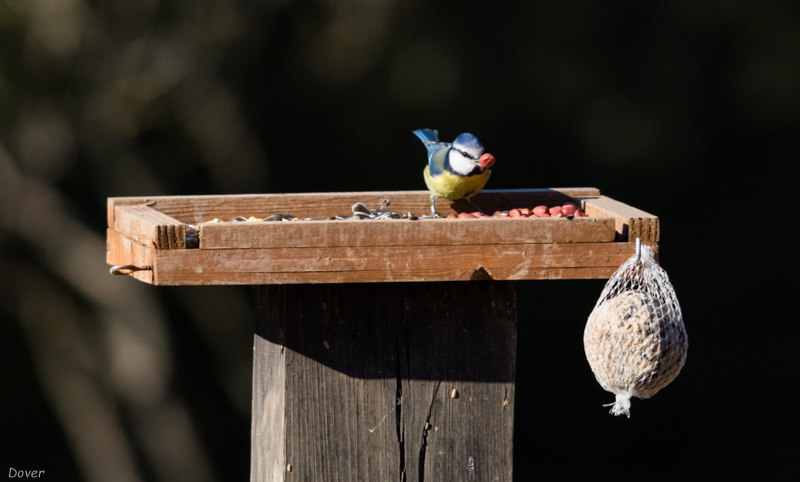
568, 210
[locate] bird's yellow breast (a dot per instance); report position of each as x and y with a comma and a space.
451, 186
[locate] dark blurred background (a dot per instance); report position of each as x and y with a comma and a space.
689, 110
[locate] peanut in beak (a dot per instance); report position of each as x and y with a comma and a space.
486, 161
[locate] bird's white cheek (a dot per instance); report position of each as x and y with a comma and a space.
460, 164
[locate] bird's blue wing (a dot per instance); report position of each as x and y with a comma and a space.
436, 158
436, 149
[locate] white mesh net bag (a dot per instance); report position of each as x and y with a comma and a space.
635, 339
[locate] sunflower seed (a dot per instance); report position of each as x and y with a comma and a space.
279, 217
383, 215
360, 208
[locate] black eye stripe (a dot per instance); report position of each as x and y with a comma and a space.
466, 155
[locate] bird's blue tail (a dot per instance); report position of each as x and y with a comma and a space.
427, 135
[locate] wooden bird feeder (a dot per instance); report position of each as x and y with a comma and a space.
360, 373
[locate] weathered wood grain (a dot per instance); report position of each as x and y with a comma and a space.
199, 209
631, 223
394, 232
362, 376
460, 377
149, 227
390, 264
268, 431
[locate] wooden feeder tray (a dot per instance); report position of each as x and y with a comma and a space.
146, 235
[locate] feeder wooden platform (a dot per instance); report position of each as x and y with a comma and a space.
148, 233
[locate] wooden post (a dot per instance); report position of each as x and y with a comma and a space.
384, 382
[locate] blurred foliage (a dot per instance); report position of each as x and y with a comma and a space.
687, 109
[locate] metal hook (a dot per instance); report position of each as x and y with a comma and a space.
123, 269
638, 250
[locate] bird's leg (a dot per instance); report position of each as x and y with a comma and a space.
433, 208
473, 203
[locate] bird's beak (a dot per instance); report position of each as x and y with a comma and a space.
486, 161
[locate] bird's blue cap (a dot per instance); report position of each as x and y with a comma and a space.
468, 141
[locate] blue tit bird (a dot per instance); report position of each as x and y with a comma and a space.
456, 170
